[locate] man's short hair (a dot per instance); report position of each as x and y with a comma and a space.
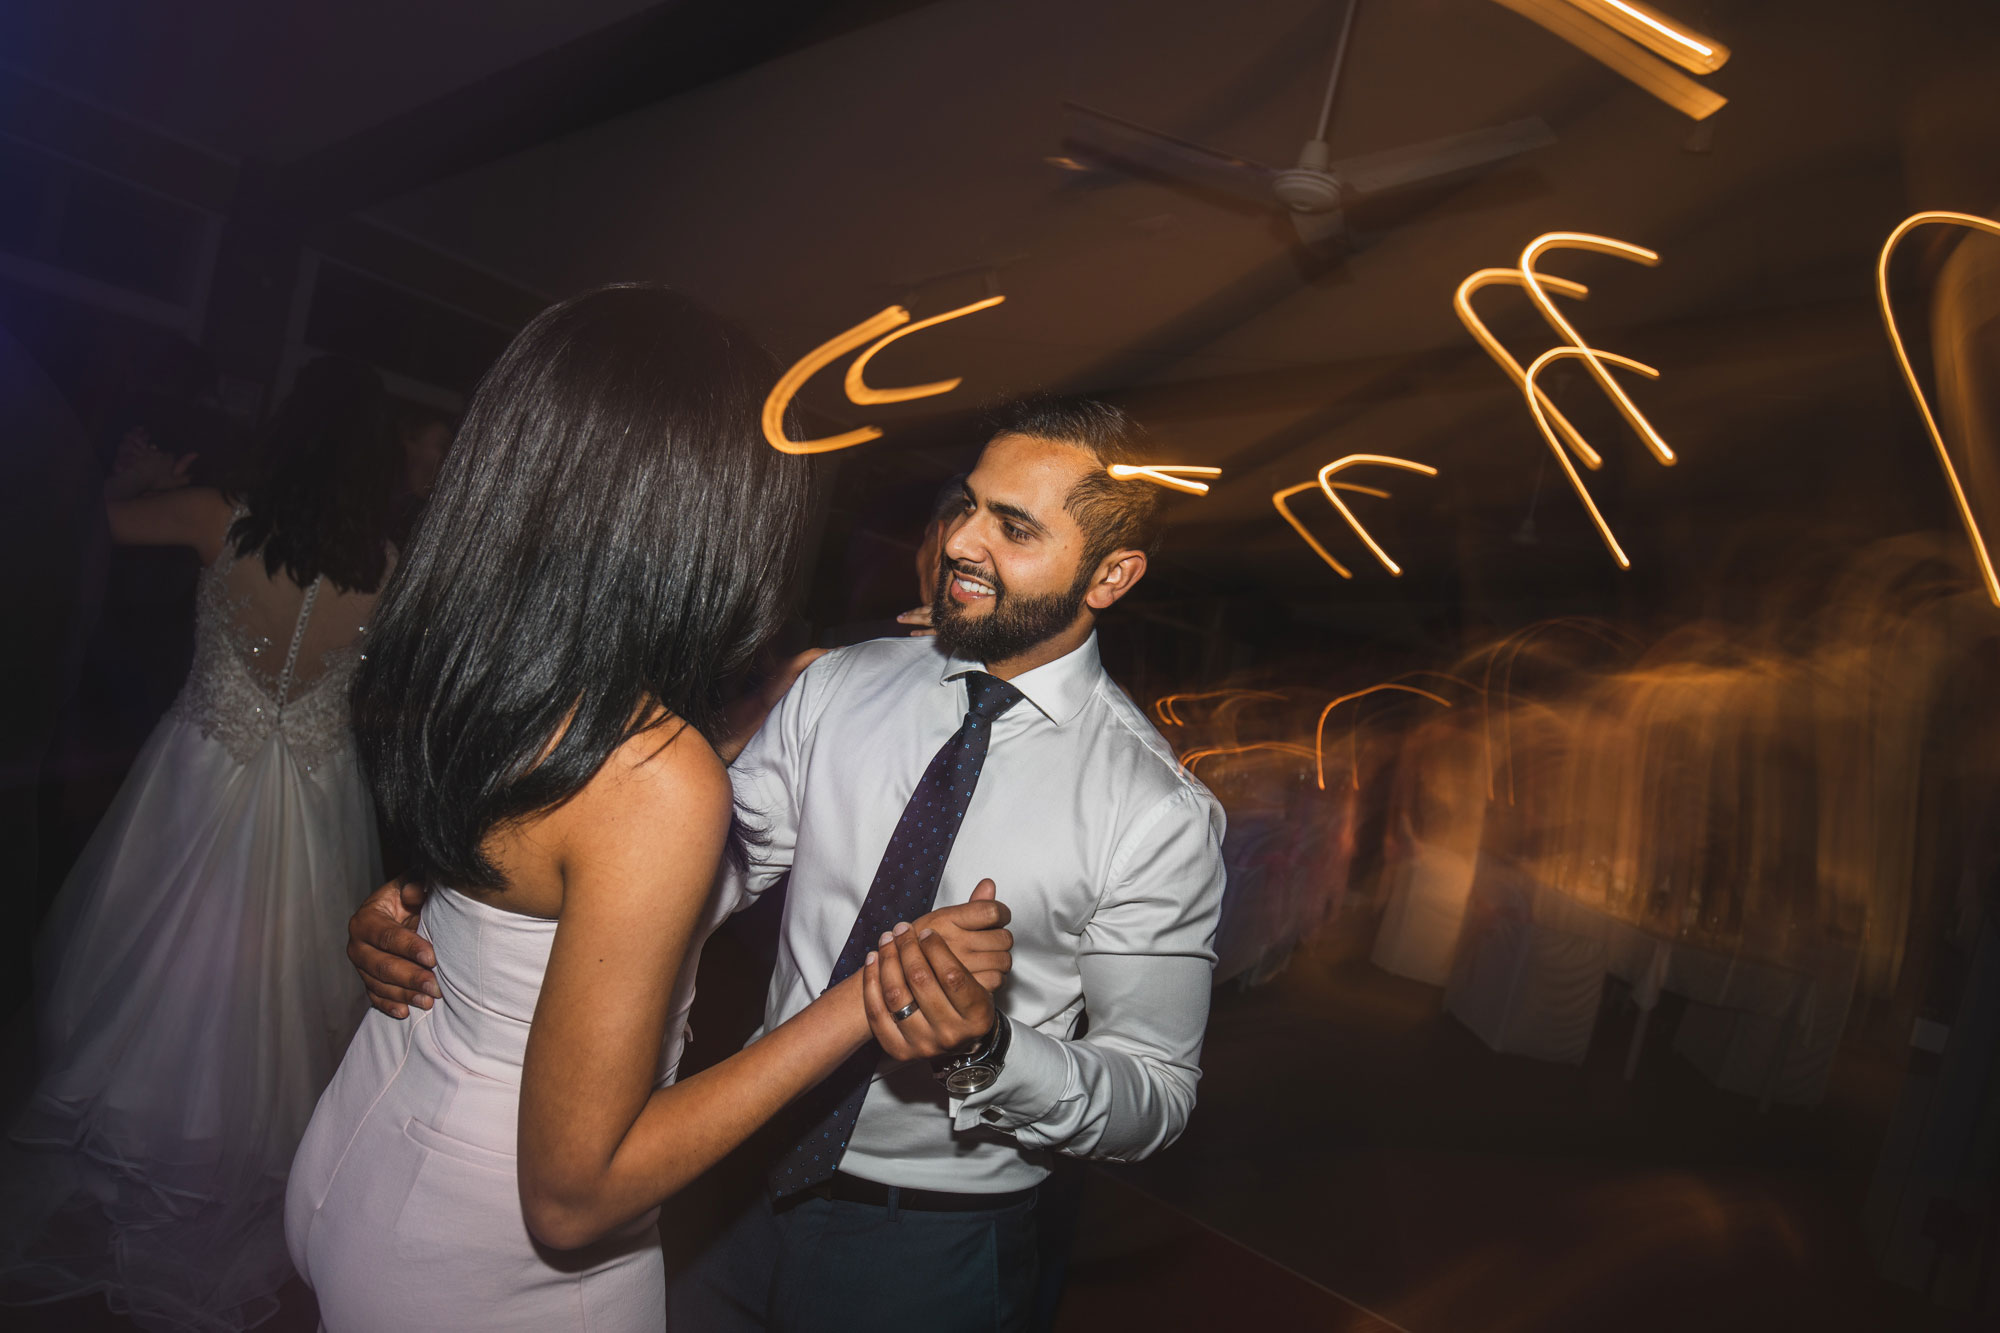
1114, 515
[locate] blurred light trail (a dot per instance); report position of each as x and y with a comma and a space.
1164, 709
1319, 732
1555, 445
1563, 437
1278, 499
1908, 225
1462, 302
804, 369
1193, 757
1172, 476
1603, 245
1693, 52
1605, 44
859, 392
1512, 645
1379, 460
879, 330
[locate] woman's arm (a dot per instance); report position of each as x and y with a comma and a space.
599, 1145
195, 516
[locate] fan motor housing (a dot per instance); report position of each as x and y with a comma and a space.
1304, 190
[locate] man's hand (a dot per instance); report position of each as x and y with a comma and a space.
393, 960
141, 467
954, 1012
920, 619
976, 933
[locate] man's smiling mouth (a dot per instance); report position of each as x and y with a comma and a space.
968, 588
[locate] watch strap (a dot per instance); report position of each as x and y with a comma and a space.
990, 1053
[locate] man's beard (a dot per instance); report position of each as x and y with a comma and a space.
1017, 623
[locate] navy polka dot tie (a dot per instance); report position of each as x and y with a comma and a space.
905, 886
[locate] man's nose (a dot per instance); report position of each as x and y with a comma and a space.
962, 541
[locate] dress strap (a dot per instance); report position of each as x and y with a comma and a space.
298, 637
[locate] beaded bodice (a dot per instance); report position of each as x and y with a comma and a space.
232, 694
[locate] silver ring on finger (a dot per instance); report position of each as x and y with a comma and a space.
905, 1011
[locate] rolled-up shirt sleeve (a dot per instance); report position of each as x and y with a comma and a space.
1147, 960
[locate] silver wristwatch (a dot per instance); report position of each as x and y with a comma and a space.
975, 1071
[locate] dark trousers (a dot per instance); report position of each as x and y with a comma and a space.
819, 1265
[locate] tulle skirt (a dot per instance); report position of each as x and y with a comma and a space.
194, 998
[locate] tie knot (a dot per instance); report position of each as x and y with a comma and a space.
989, 696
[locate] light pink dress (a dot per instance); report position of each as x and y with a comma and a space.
404, 1210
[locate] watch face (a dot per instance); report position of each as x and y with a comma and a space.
973, 1078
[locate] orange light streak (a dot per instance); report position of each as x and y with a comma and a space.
1462, 303
1193, 757
1354, 724
1163, 707
1605, 43
1548, 433
1440, 675
1381, 460
1319, 732
1518, 640
1278, 499
1173, 477
806, 367
859, 392
1909, 224
1604, 245
880, 329
1659, 34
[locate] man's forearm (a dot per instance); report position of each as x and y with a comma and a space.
1125, 1090
1084, 1099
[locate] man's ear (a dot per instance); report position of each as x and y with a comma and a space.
1117, 575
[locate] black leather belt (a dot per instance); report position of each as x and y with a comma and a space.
853, 1189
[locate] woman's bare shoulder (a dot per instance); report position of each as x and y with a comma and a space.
664, 788
671, 760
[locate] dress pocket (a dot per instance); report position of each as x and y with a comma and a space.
432, 1139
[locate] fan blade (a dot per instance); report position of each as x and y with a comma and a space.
1436, 159
1108, 139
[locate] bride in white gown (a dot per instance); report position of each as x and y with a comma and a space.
193, 996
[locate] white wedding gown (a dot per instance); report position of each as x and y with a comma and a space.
193, 992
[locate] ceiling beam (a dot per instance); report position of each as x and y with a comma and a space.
660, 53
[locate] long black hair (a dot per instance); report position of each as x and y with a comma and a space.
329, 466
610, 535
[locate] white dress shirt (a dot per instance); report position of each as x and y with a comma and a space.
1108, 852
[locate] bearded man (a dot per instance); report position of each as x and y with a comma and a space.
902, 1192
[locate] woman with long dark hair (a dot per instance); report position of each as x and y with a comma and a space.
192, 996
540, 713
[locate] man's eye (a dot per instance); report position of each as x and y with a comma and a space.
1014, 534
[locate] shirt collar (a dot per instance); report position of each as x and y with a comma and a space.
1059, 689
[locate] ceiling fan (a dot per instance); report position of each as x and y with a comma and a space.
1316, 193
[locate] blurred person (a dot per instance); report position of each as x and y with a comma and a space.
426, 435
930, 553
540, 715
903, 1191
191, 999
